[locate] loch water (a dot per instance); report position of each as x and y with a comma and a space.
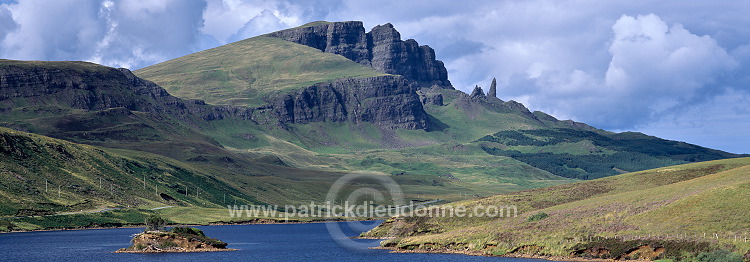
271, 242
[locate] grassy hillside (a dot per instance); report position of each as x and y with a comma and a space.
51, 183
42, 176
116, 127
688, 208
586, 154
243, 72
345, 147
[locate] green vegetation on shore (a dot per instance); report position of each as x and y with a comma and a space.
675, 212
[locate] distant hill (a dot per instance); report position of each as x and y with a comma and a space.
668, 212
588, 154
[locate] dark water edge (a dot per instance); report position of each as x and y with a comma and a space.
271, 242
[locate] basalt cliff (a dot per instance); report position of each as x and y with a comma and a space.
381, 48
389, 101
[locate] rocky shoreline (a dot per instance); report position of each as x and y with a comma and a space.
177, 250
478, 253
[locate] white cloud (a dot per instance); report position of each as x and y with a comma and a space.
223, 18
263, 23
150, 33
653, 68
127, 33
42, 34
7, 24
668, 61
233, 20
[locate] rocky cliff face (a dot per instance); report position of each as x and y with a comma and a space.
92, 87
381, 49
388, 101
343, 38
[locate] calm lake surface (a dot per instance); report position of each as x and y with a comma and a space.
281, 242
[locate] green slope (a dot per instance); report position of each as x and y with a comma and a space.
42, 175
50, 183
675, 206
243, 72
587, 154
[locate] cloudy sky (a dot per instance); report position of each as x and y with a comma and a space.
675, 69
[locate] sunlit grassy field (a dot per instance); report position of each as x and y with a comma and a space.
694, 203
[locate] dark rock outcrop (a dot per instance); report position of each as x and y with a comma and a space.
417, 63
388, 101
433, 99
493, 88
381, 48
477, 93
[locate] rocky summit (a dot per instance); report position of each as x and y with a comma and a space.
381, 48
